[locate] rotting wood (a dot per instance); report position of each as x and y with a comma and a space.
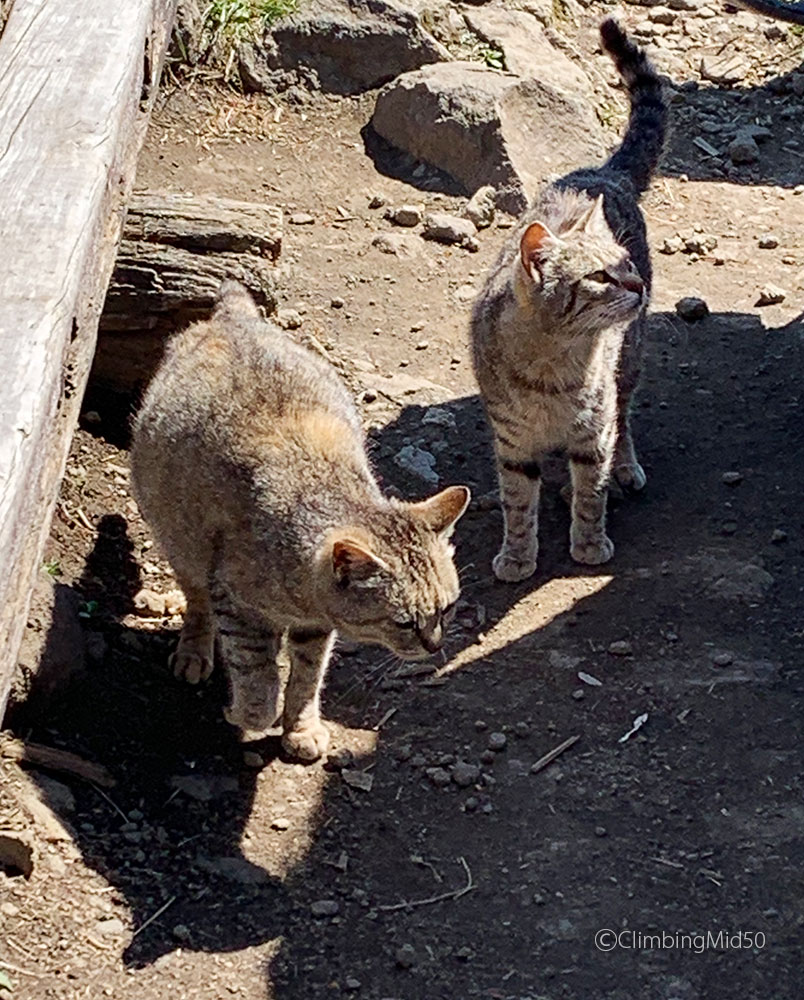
77, 81
176, 250
52, 759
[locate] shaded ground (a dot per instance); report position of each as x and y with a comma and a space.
692, 825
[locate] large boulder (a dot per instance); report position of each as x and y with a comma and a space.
485, 127
352, 45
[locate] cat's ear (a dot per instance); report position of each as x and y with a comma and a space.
534, 245
441, 512
595, 218
354, 563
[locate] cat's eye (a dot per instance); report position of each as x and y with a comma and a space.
600, 277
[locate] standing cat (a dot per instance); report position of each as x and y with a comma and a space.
557, 331
249, 462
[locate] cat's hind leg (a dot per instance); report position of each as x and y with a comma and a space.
304, 735
626, 468
193, 660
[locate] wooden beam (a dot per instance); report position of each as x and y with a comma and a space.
77, 81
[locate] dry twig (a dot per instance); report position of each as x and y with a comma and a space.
551, 755
440, 897
54, 760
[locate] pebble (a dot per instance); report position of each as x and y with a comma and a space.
339, 759
488, 757
301, 219
600, 831
110, 927
700, 243
181, 932
325, 908
280, 823
768, 242
522, 729
438, 776
464, 954
778, 536
448, 228
377, 201
692, 308
337, 302
743, 148
471, 803
726, 68
8, 909
92, 417
352, 984
464, 774
771, 295
672, 244
406, 215
419, 462
578, 694
405, 956
731, 478
288, 319
480, 208
621, 647
422, 345
722, 658
253, 759
497, 741
662, 15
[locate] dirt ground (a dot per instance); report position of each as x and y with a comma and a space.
215, 870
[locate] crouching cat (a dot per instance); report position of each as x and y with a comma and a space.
557, 331
249, 463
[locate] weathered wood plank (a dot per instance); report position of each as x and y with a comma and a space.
175, 252
77, 78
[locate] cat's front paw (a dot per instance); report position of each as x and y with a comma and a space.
307, 742
592, 551
190, 665
631, 477
511, 569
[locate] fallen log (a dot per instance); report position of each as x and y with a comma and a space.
176, 250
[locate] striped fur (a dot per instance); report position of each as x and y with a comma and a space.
249, 462
557, 331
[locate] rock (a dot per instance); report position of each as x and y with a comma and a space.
301, 219
361, 780
700, 243
621, 647
497, 742
671, 245
722, 658
337, 302
353, 45
235, 870
731, 478
466, 293
406, 215
253, 759
742, 582
57, 795
280, 823
768, 242
288, 319
17, 852
692, 308
325, 908
771, 295
205, 787
400, 244
181, 932
485, 128
377, 201
445, 228
724, 69
188, 26
464, 774
778, 536
527, 51
480, 207
149, 604
662, 15
418, 462
110, 927
743, 148
405, 956
438, 776
438, 417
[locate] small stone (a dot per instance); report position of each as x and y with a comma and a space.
337, 302
480, 208
399, 244
438, 416
280, 823
662, 15
768, 242
419, 462
726, 68
181, 932
778, 536
111, 927
377, 201
729, 528
301, 219
488, 757
360, 780
448, 228
149, 604
405, 956
497, 741
671, 245
578, 694
253, 759
771, 295
471, 803
339, 759
325, 908
422, 345
288, 319
407, 216
700, 243
481, 726
92, 417
692, 308
464, 774
621, 647
722, 658
522, 729
8, 909
438, 776
731, 478
743, 149
352, 984
464, 954
600, 831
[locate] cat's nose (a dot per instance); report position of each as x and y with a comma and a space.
432, 639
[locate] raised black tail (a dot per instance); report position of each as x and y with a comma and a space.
642, 144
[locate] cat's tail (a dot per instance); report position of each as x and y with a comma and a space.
236, 299
639, 152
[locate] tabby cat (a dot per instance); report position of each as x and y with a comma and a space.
557, 331
249, 462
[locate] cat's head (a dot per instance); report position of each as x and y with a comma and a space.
393, 581
580, 275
